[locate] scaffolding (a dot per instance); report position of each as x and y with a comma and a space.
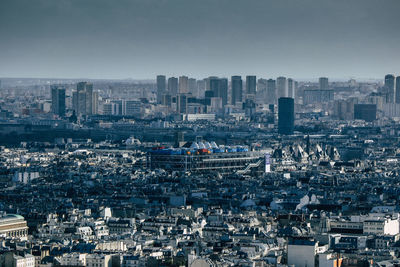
228, 162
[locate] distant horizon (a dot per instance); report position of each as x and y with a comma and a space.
122, 39
314, 79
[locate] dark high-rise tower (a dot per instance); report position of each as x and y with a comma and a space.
271, 92
365, 112
181, 104
219, 87
79, 99
224, 90
285, 115
389, 88
58, 100
251, 83
237, 89
323, 83
161, 87
214, 86
89, 99
397, 93
82, 98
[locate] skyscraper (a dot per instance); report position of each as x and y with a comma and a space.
181, 103
173, 86
285, 115
192, 85
397, 90
271, 91
201, 88
282, 87
291, 88
95, 103
183, 85
389, 88
208, 82
161, 87
323, 83
224, 90
219, 87
82, 98
214, 86
81, 108
261, 92
58, 100
89, 99
251, 83
237, 89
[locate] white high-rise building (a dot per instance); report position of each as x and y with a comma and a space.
282, 87
183, 85
291, 88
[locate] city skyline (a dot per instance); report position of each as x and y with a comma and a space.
136, 39
199, 133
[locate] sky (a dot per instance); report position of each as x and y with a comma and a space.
142, 38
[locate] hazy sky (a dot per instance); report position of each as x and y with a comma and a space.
199, 38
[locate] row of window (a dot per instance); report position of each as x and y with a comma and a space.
17, 233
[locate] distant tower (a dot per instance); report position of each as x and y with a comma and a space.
81, 110
291, 88
237, 89
95, 103
161, 87
271, 91
261, 87
285, 115
182, 103
397, 90
173, 86
89, 99
82, 99
214, 86
192, 85
389, 88
282, 87
224, 90
219, 87
183, 85
323, 83
58, 100
251, 83
201, 88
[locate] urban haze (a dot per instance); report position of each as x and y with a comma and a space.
142, 38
